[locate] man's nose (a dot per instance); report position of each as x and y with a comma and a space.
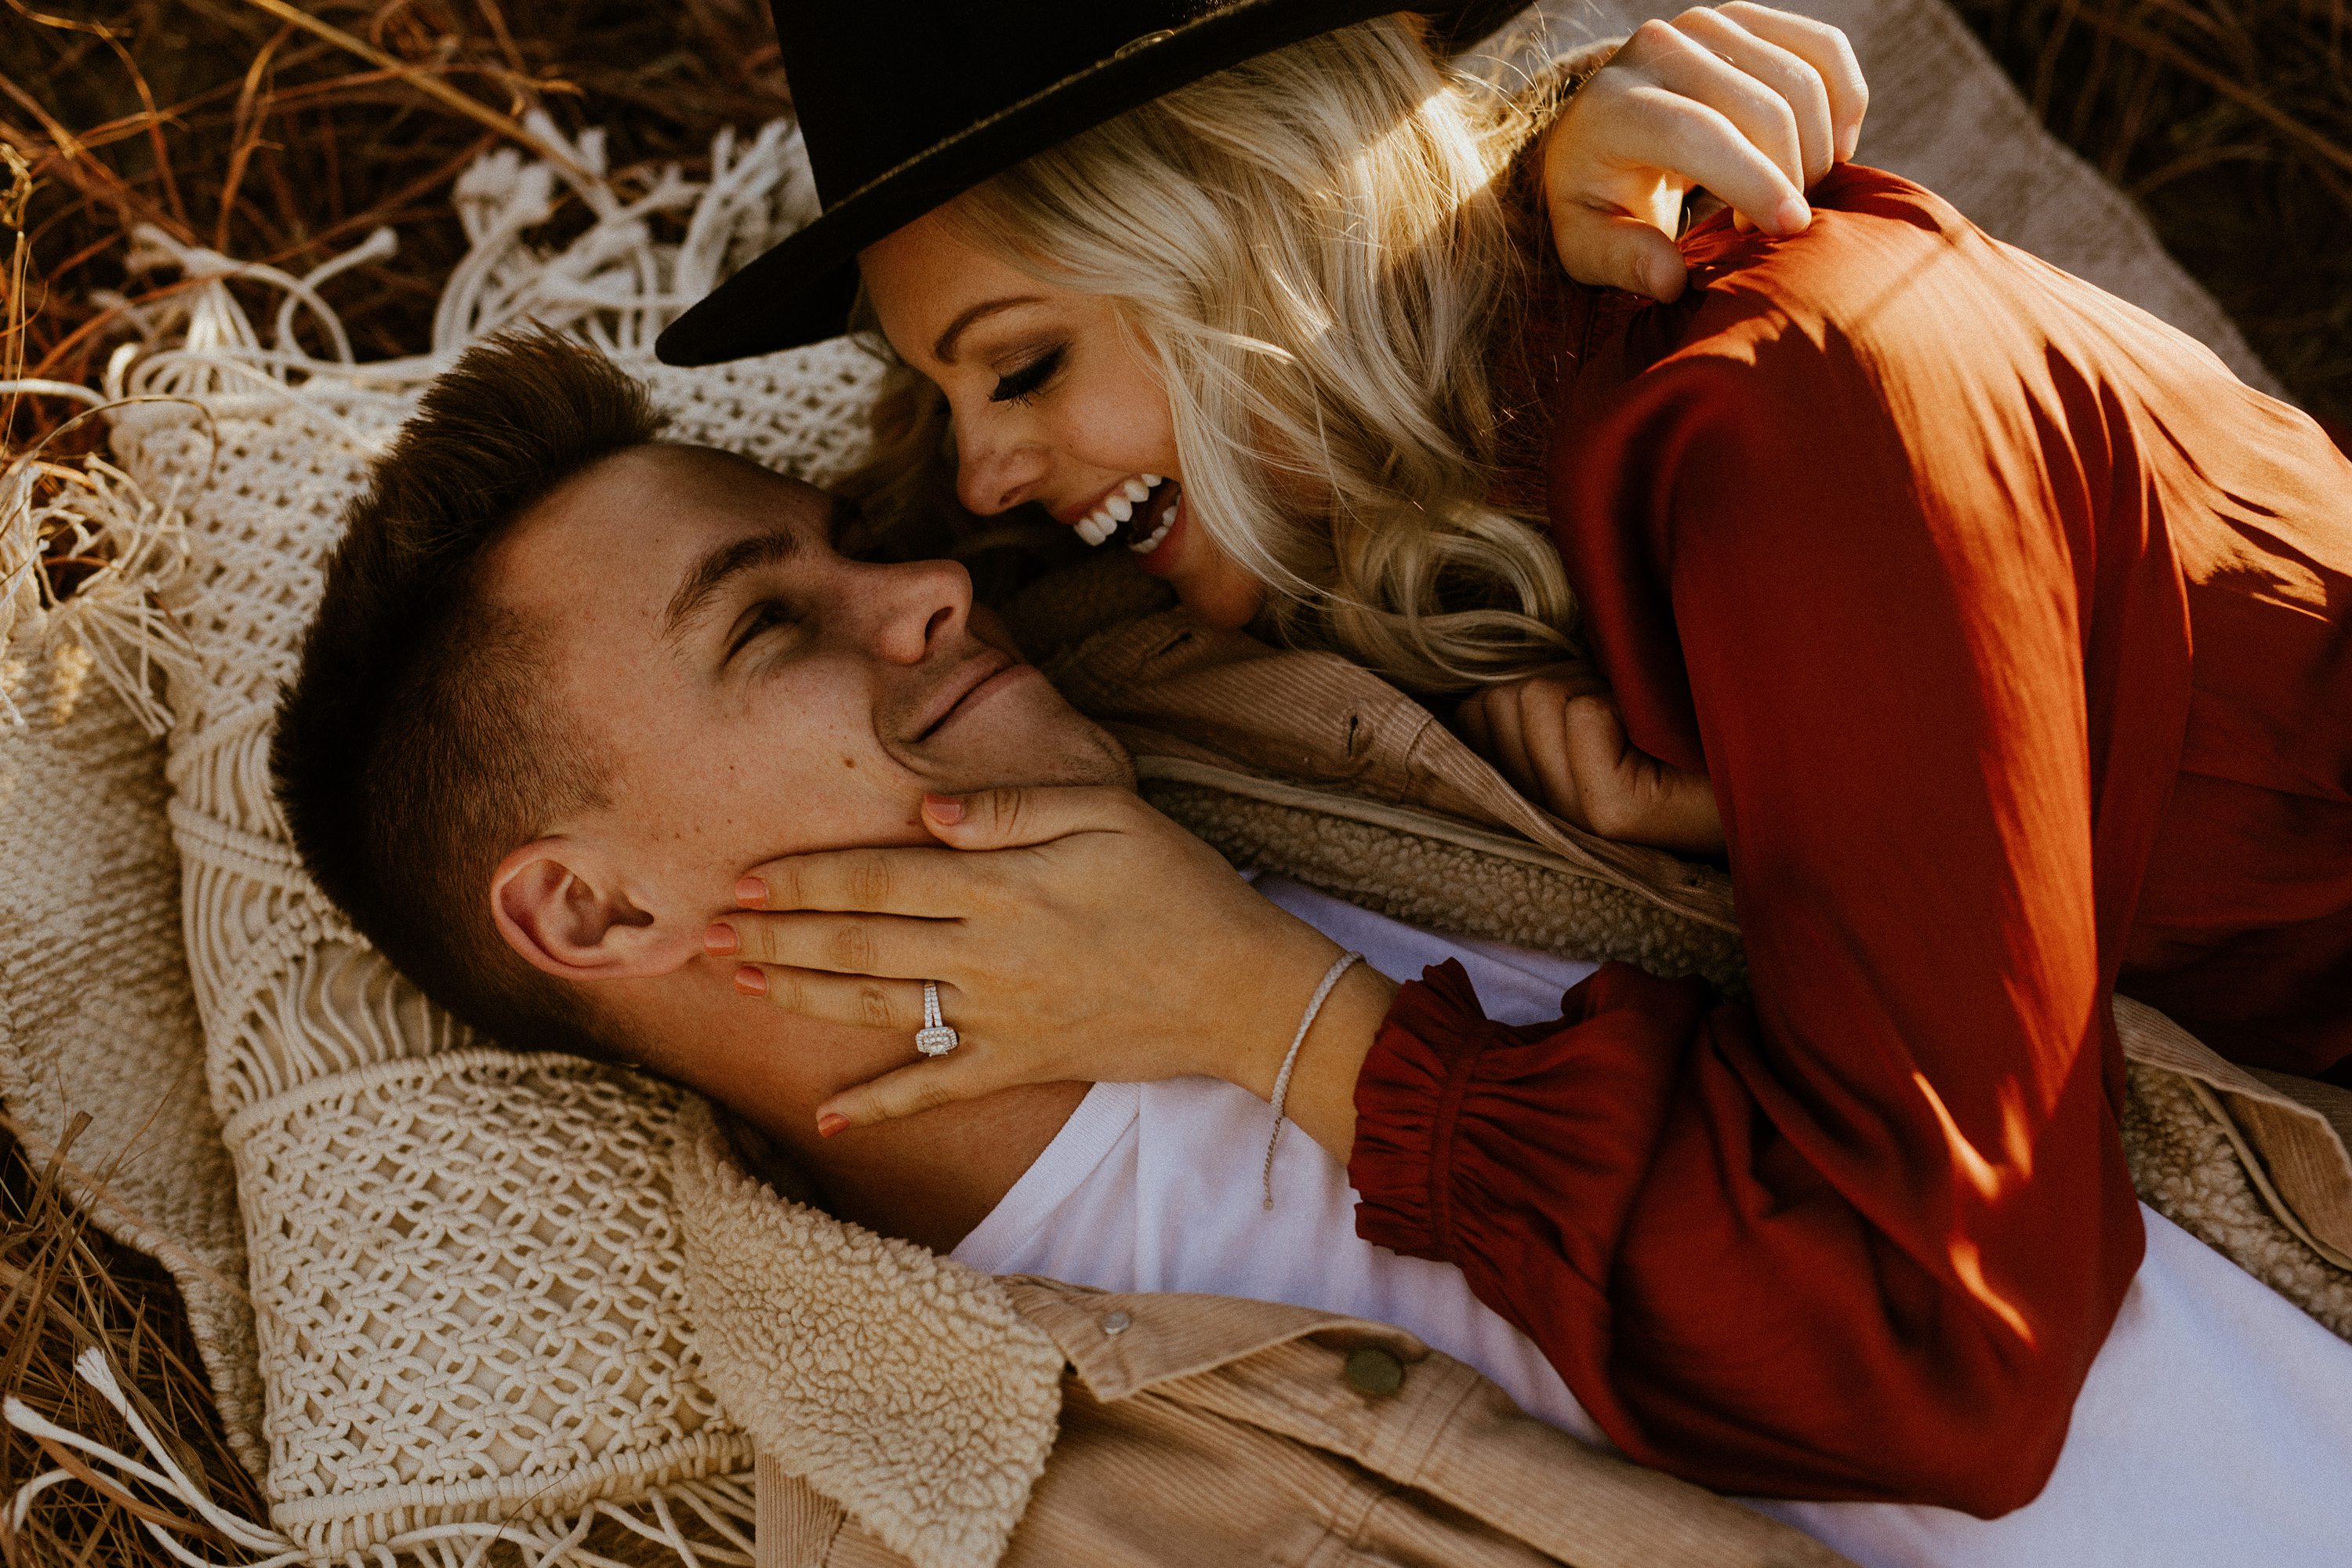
917, 604
996, 471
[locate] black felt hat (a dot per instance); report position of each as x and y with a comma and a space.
907, 105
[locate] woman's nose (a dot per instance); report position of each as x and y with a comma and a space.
995, 476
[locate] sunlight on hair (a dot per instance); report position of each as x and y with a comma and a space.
1313, 248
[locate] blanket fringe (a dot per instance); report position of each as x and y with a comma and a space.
135, 547
666, 1516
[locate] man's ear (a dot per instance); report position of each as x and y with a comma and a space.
575, 922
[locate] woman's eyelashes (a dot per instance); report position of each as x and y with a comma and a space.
1017, 387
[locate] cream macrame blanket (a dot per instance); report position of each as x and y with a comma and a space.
465, 1271
468, 1288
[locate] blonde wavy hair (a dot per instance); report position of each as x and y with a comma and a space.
1315, 247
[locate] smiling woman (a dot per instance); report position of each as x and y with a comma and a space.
1093, 328
1999, 630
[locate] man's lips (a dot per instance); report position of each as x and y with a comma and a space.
960, 688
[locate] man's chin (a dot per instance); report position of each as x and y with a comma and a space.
1028, 735
1092, 756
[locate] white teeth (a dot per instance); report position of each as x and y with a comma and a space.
1153, 540
1097, 526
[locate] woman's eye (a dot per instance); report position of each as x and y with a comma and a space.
1016, 385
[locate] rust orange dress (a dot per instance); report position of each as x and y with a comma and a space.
2015, 636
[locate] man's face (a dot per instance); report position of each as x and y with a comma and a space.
754, 692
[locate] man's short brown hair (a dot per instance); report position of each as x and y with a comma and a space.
415, 746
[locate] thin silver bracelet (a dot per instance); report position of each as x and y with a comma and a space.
1282, 1079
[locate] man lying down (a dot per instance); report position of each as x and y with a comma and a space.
569, 682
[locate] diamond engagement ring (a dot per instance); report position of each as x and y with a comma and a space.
935, 1039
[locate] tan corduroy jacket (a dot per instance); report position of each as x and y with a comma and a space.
1206, 1430
909, 1410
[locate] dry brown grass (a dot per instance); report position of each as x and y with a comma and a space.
2231, 122
285, 135
64, 1287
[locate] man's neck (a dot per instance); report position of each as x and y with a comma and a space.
929, 1178
932, 1178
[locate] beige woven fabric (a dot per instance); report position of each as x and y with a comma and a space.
473, 1275
467, 1280
96, 1013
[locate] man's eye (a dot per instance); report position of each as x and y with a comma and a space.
765, 617
1017, 385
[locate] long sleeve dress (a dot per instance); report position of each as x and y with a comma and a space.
2015, 636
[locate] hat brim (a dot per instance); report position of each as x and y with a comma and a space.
801, 290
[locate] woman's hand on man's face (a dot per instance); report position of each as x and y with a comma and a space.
1563, 744
1074, 933
1752, 104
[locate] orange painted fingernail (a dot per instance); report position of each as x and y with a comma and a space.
831, 1123
719, 939
750, 981
751, 891
944, 809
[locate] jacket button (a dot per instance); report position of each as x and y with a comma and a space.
1374, 1371
1116, 1322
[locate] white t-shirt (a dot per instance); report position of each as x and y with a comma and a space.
2215, 1428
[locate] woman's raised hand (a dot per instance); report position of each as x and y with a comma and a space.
1074, 933
1564, 745
1752, 104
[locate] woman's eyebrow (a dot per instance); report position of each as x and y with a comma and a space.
944, 350
713, 570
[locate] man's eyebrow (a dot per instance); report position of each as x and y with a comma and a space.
712, 574
944, 350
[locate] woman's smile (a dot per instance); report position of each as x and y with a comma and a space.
1137, 511
1093, 438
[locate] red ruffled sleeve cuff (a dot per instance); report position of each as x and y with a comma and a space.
1408, 1101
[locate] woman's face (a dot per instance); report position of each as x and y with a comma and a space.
1053, 403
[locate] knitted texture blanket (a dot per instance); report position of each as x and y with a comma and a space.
464, 1302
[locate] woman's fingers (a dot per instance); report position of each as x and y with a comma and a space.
937, 882
924, 881
860, 1001
1018, 815
883, 946
1828, 51
1506, 740
1472, 716
1543, 724
1619, 251
964, 1074
1721, 128
1628, 793
1782, 73
1746, 102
